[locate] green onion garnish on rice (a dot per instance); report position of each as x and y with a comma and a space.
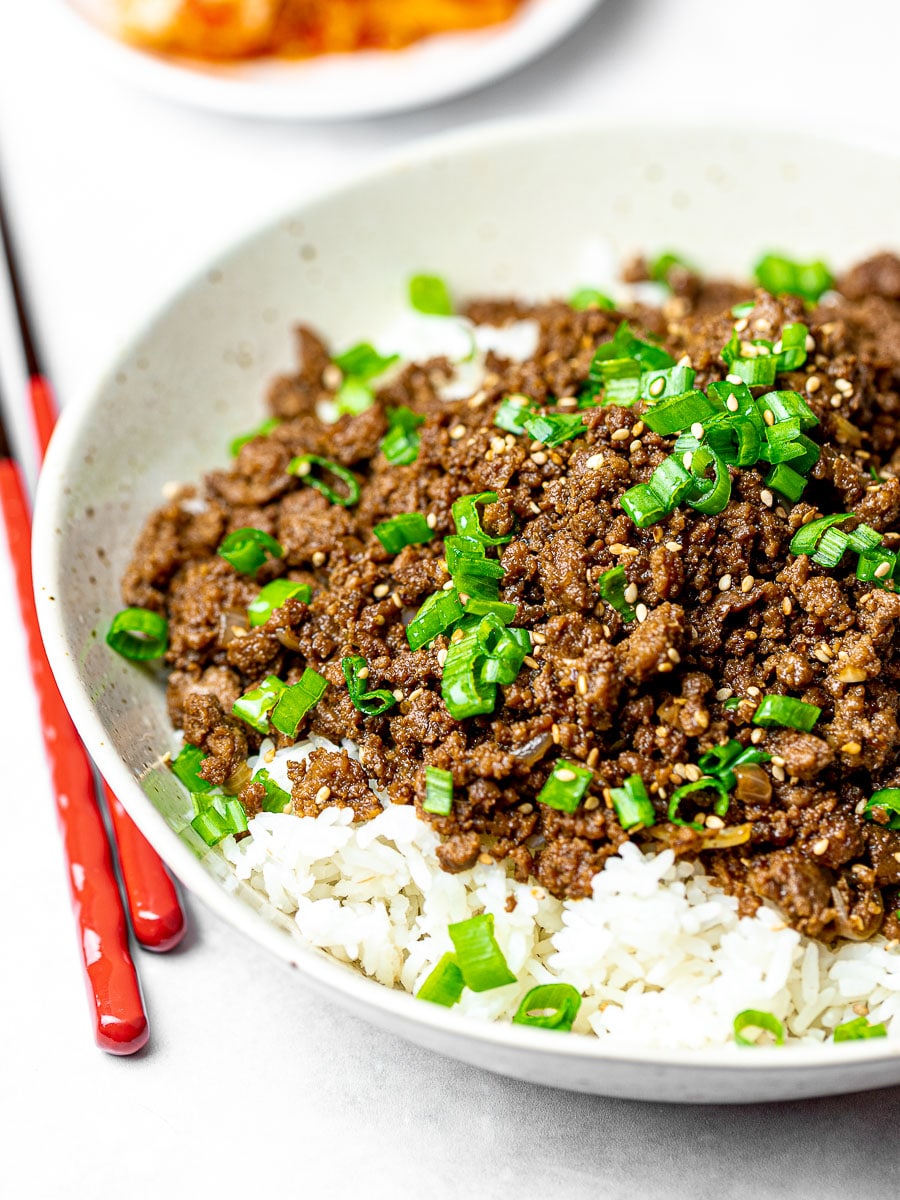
549, 1006
445, 983
277, 799
273, 595
438, 791
567, 784
216, 816
186, 767
786, 712
478, 956
429, 294
371, 703
302, 466
138, 634
406, 529
859, 1030
752, 1018
249, 549
295, 702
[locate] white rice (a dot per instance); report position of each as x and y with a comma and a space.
658, 952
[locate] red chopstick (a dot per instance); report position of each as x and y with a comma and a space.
156, 915
120, 1023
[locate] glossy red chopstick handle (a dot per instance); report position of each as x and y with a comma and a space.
120, 1023
153, 905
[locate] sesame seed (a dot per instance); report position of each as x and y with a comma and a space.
526, 809
617, 548
673, 547
747, 583
753, 690
757, 736
665, 667
303, 468
778, 760
684, 361
635, 445
478, 399
362, 673
779, 774
631, 593
591, 803
529, 661
431, 521
641, 612
658, 386
748, 350
582, 689
498, 445
732, 402
692, 772
767, 498
823, 652
323, 794
813, 384
441, 657
843, 385
637, 428
741, 325
769, 417
457, 432
820, 846
555, 734
882, 569
464, 598
607, 632
786, 606
398, 693
853, 675
539, 458
724, 582
714, 822
851, 748
810, 344
535, 508
595, 461
593, 757
673, 655
621, 435
751, 635
332, 377
448, 586
697, 429
763, 324
540, 639
567, 402
688, 459
724, 693
565, 775
835, 401
318, 558
781, 512
861, 808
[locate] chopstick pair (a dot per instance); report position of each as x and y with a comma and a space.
120, 1022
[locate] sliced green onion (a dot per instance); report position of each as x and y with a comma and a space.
590, 298
138, 634
567, 784
248, 549
400, 445
549, 1006
737, 441
468, 520
406, 529
504, 649
295, 702
705, 784
465, 692
438, 791
642, 504
672, 381
478, 956
612, 585
786, 712
429, 294
785, 406
678, 413
353, 397
373, 704
733, 704
552, 429
186, 766
786, 481
277, 799
254, 706
863, 539
478, 606
806, 539
437, 614
262, 430
363, 361
620, 379
302, 465
632, 804
752, 1018
624, 344
720, 761
273, 595
755, 372
512, 412
744, 309
218, 816
778, 274
876, 566
888, 801
659, 268
477, 576
831, 549
445, 983
858, 1030
792, 354
709, 496
458, 547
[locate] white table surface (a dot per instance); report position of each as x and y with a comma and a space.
115, 196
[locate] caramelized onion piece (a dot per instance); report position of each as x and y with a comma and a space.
731, 835
240, 776
753, 784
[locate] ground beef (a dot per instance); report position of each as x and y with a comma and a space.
723, 612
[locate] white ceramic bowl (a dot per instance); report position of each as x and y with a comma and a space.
337, 85
507, 209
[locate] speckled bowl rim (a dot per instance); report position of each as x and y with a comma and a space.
355, 990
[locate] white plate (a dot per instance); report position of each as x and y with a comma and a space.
342, 85
198, 371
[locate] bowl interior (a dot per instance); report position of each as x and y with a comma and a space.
532, 211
